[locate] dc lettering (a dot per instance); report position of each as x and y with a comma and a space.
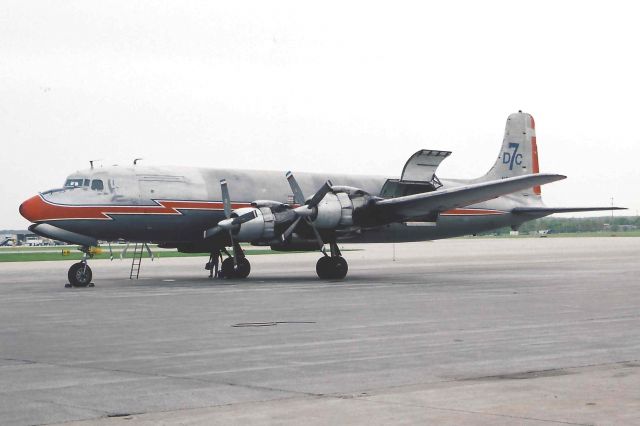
512, 157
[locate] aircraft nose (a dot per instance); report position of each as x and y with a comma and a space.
31, 209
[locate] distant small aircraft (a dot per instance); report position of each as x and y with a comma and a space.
201, 210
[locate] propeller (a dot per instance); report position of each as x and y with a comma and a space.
308, 209
230, 224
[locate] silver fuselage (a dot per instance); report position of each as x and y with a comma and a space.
176, 204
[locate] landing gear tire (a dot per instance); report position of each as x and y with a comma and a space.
332, 267
323, 267
226, 269
340, 268
80, 275
241, 270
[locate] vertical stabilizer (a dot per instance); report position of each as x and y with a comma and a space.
519, 152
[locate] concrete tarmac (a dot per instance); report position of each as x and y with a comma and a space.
466, 331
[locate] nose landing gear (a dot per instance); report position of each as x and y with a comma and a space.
80, 273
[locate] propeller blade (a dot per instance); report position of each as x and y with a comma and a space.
315, 231
318, 196
244, 218
235, 252
226, 200
298, 196
305, 210
287, 232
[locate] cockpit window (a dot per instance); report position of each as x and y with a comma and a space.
73, 183
86, 182
97, 185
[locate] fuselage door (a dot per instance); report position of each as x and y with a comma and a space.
421, 166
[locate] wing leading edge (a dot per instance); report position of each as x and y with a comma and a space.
411, 206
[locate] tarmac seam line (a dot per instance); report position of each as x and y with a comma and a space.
458, 410
382, 390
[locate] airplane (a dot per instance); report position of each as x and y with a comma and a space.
203, 210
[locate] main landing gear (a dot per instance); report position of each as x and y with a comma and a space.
240, 269
236, 266
80, 273
329, 267
334, 266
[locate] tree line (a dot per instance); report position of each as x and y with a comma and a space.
578, 224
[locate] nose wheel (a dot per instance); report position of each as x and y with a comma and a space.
80, 274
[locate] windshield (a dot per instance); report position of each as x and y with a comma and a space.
76, 183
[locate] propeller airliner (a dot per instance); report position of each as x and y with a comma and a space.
202, 210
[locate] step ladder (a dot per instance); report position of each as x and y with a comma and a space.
136, 261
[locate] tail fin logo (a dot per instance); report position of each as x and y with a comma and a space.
512, 157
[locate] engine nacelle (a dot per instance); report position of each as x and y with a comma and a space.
262, 227
270, 219
337, 207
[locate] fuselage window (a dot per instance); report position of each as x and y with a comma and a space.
97, 185
73, 183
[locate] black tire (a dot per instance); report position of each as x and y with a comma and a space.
226, 269
79, 275
339, 268
243, 269
323, 267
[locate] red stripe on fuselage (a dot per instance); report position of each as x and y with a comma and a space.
37, 209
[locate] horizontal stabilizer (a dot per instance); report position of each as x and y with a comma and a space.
551, 210
410, 206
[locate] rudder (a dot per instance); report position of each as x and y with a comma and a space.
519, 152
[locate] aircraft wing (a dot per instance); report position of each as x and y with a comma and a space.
411, 206
551, 210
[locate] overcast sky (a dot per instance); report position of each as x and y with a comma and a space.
324, 86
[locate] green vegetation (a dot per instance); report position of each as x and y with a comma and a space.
505, 234
603, 226
17, 254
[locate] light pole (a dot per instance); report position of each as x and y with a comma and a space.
611, 211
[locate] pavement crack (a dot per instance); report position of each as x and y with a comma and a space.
23, 361
547, 372
543, 373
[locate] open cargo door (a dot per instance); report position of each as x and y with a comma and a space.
421, 166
